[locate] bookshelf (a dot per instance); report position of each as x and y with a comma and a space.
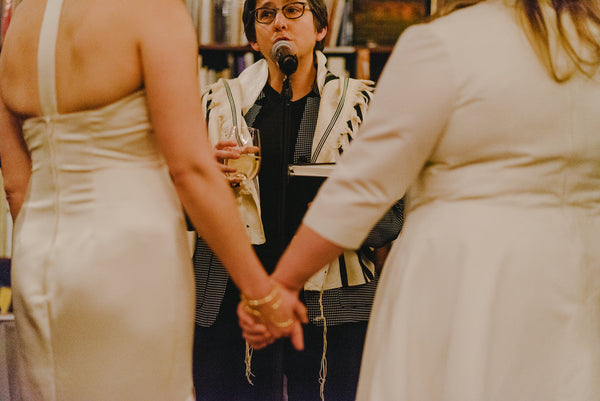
360, 38
361, 33
380, 22
227, 61
223, 61
362, 62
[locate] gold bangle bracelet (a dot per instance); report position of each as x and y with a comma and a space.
262, 301
254, 312
283, 325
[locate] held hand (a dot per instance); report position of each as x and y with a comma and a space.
250, 149
280, 312
227, 149
296, 335
255, 333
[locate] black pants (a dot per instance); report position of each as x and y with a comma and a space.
219, 369
345, 344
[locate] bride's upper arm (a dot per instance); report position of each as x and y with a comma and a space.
169, 54
14, 158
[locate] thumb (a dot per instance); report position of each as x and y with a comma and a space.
300, 312
296, 336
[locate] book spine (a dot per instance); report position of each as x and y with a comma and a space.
363, 64
338, 12
219, 26
205, 29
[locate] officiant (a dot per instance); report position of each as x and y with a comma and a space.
306, 115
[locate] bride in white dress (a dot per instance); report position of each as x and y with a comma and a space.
492, 291
103, 144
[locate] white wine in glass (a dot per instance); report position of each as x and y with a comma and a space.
248, 164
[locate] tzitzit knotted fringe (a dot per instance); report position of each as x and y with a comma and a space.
323, 369
248, 363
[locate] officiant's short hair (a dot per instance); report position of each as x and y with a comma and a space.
317, 7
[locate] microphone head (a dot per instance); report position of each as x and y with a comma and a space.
284, 52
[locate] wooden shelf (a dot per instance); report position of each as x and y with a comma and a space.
226, 48
361, 61
339, 50
379, 49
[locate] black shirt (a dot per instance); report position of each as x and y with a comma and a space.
281, 218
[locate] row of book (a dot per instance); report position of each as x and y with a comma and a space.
210, 70
341, 24
380, 22
218, 21
351, 22
372, 22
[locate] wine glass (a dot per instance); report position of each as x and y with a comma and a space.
248, 164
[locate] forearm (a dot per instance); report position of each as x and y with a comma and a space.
15, 201
210, 205
16, 179
16, 162
307, 253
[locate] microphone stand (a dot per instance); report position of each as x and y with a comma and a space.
284, 53
286, 96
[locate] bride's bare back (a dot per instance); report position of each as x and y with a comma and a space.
99, 51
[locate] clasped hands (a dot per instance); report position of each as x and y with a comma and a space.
279, 314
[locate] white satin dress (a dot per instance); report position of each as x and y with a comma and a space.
103, 280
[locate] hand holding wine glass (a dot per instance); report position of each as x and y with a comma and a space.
248, 163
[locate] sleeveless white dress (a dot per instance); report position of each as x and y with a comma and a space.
102, 276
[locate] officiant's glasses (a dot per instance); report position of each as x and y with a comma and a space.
266, 15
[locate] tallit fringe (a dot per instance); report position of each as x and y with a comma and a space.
248, 363
362, 98
323, 369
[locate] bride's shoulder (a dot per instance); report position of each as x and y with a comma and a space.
166, 18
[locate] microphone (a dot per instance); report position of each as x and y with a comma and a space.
284, 52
